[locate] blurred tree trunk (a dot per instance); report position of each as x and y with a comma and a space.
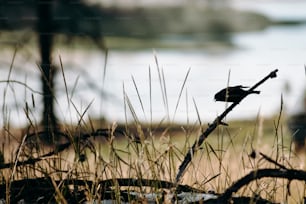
45, 28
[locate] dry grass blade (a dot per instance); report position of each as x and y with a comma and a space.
45, 79
21, 83
131, 108
10, 69
139, 98
105, 66
65, 84
187, 107
165, 94
198, 113
20, 148
81, 115
150, 95
59, 195
276, 129
74, 87
64, 78
180, 94
48, 83
7, 84
162, 85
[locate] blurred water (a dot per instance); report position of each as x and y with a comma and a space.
274, 9
256, 55
259, 53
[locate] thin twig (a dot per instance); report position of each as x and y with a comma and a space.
272, 161
21, 83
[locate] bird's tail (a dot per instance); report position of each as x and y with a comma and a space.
255, 92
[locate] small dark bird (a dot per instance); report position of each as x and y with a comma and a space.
233, 94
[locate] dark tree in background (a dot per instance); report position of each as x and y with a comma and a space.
72, 18
45, 29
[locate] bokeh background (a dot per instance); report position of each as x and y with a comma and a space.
140, 52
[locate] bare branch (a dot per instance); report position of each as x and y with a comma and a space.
213, 126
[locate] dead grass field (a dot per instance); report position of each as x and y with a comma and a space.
221, 160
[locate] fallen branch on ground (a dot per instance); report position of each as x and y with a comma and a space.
290, 174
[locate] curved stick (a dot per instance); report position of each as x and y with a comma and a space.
290, 174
